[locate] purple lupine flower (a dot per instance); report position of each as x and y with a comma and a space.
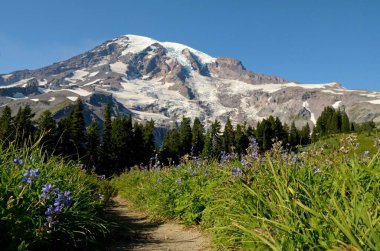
179, 181
253, 142
193, 173
236, 171
18, 161
30, 175
316, 170
49, 210
243, 162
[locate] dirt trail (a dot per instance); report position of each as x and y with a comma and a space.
137, 232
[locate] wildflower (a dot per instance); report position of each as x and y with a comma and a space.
159, 180
207, 173
179, 181
366, 153
316, 170
50, 221
18, 161
101, 196
243, 162
193, 173
103, 176
30, 175
253, 142
236, 171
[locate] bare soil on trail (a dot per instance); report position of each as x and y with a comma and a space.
137, 232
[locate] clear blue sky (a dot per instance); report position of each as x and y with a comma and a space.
303, 40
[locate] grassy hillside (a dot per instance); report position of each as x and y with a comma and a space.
320, 199
48, 203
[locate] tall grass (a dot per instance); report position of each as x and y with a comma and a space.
48, 203
314, 200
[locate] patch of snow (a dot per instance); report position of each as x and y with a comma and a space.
270, 98
92, 82
51, 99
35, 99
118, 67
7, 76
93, 74
42, 82
135, 44
336, 104
79, 91
177, 48
79, 75
305, 104
376, 102
72, 98
21, 83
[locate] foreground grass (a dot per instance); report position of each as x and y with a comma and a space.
47, 203
280, 201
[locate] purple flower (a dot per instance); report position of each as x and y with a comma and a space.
316, 170
253, 142
103, 176
366, 153
193, 173
18, 161
207, 173
179, 181
159, 180
236, 171
30, 175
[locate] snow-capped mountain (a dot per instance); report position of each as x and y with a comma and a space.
165, 81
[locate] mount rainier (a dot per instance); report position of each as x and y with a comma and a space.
164, 81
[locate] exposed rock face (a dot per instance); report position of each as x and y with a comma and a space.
165, 81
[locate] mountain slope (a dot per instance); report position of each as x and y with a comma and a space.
165, 81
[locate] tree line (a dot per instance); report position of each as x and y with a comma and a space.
119, 144
122, 144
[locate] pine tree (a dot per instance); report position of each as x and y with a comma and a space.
148, 141
6, 129
92, 146
228, 137
105, 164
185, 136
23, 124
198, 137
305, 134
294, 137
345, 122
46, 130
77, 129
138, 146
241, 140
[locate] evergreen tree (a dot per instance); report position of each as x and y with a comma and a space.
228, 137
148, 141
138, 145
105, 164
120, 134
185, 136
23, 124
294, 136
198, 137
92, 146
207, 149
46, 130
77, 128
345, 122
305, 134
6, 130
216, 141
241, 140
